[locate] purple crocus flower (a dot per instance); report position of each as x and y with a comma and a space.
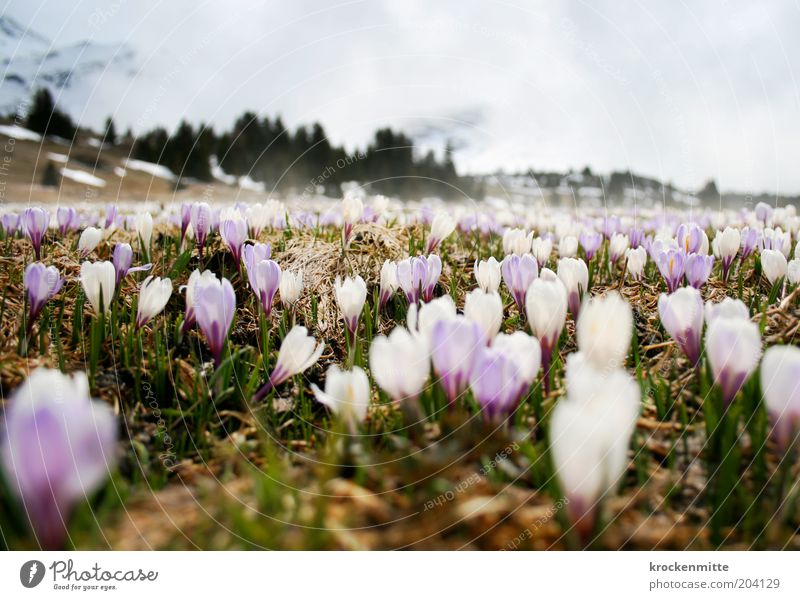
690, 237
611, 225
698, 268
121, 258
433, 272
750, 239
263, 274
214, 305
58, 448
201, 219
590, 242
763, 212
186, 219
518, 274
111, 216
682, 316
234, 234
496, 383
671, 264
41, 283
412, 275
455, 344
733, 347
10, 223
635, 237
68, 219
34, 223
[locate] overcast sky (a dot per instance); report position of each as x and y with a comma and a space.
682, 91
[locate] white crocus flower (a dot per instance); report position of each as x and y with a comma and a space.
485, 309
346, 394
291, 287
89, 240
604, 330
488, 274
99, 283
154, 293
400, 348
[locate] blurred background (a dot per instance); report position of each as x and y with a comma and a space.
569, 104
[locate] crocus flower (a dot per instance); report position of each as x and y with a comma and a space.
690, 237
88, 241
412, 275
121, 258
681, 315
110, 223
728, 243
432, 273
750, 238
41, 283
352, 213
454, 347
617, 246
774, 265
67, 219
401, 347
525, 350
590, 241
442, 227
34, 223
731, 308
518, 274
567, 246
421, 321
541, 248
485, 309
604, 331
258, 218
346, 394
698, 268
793, 271
611, 225
517, 241
487, 274
99, 283
264, 275
671, 264
351, 294
233, 232
636, 259
57, 448
589, 440
186, 219
546, 308
195, 279
733, 347
389, 283
143, 224
574, 274
11, 223
635, 236
291, 287
776, 239
299, 351
780, 387
496, 383
763, 212
214, 305
201, 219
154, 293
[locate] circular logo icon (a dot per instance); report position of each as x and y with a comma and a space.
31, 573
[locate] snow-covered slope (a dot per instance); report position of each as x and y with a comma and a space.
29, 61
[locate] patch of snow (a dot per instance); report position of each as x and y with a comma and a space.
218, 174
20, 133
150, 168
94, 142
59, 158
120, 172
82, 177
246, 183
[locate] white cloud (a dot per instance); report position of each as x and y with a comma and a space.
682, 92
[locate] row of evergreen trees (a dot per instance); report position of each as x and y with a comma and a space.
303, 159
